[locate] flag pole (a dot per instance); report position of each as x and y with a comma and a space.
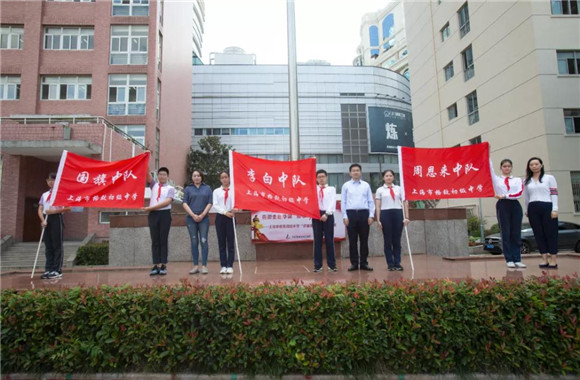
37, 252
237, 248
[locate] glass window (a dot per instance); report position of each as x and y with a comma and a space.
66, 87
66, 38
572, 121
568, 62
565, 7
475, 140
472, 108
104, 216
374, 35
575, 179
468, 66
129, 44
449, 71
445, 32
11, 37
130, 7
452, 111
10, 87
388, 26
136, 131
127, 94
464, 27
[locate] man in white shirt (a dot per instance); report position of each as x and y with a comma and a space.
357, 200
324, 226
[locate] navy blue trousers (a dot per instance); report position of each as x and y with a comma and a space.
53, 243
392, 222
224, 228
545, 228
324, 229
509, 216
159, 225
358, 227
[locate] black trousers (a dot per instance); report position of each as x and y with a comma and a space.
545, 228
509, 216
53, 243
392, 222
324, 229
224, 227
159, 225
358, 227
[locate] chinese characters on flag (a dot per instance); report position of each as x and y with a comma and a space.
440, 173
287, 187
85, 182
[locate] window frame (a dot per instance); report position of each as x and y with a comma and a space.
128, 39
464, 23
472, 108
449, 109
127, 90
8, 82
446, 69
468, 69
445, 32
13, 31
566, 61
572, 116
90, 42
132, 5
54, 84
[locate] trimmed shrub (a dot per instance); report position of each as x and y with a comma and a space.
93, 254
433, 327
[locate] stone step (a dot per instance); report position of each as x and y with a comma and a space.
21, 255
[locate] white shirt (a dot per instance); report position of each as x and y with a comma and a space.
167, 191
516, 186
357, 195
44, 202
328, 202
219, 203
545, 191
384, 195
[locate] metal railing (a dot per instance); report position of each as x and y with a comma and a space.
70, 119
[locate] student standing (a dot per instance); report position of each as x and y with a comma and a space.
162, 194
391, 219
325, 226
224, 223
541, 195
509, 213
51, 221
357, 200
197, 201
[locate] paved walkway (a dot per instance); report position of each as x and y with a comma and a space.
426, 267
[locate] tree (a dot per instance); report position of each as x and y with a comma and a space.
211, 159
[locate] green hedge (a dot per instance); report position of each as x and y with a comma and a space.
407, 327
93, 254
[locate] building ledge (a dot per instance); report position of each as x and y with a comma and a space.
49, 150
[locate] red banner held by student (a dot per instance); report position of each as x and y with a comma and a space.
85, 182
443, 173
287, 187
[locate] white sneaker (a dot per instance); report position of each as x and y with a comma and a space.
204, 270
194, 271
519, 264
230, 270
223, 270
511, 264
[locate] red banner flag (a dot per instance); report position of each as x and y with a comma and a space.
441, 173
85, 182
287, 187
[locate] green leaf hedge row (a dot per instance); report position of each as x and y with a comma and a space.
93, 254
431, 327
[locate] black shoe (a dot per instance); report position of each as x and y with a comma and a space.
154, 271
546, 265
352, 268
317, 270
391, 269
366, 267
398, 268
332, 269
44, 276
163, 270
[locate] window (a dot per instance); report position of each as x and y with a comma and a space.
159, 51
472, 109
568, 62
11, 37
475, 140
65, 88
374, 35
127, 94
130, 7
158, 100
354, 132
10, 87
449, 72
468, 67
388, 26
57, 38
105, 216
565, 7
463, 20
452, 111
406, 74
445, 32
73, 1
572, 121
157, 147
135, 131
129, 45
575, 179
